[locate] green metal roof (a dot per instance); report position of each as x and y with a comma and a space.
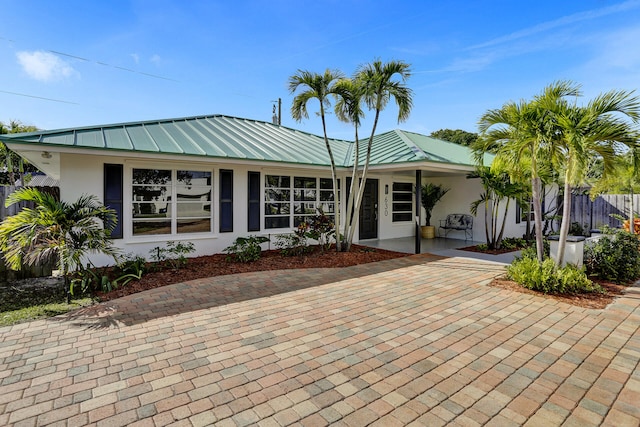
207, 136
398, 146
235, 138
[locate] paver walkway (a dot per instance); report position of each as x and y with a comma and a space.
414, 341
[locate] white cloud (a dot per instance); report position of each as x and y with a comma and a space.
561, 22
156, 59
44, 66
136, 57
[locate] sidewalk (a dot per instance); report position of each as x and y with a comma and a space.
420, 340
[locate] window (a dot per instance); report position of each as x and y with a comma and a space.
113, 195
293, 200
402, 206
171, 201
521, 212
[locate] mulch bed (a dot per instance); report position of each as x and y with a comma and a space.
217, 265
592, 300
489, 251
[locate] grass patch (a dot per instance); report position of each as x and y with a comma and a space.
35, 312
33, 299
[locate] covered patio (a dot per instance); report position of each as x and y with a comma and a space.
439, 246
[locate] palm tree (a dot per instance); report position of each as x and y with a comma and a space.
498, 187
431, 195
376, 86
520, 134
348, 109
10, 161
320, 87
597, 130
56, 231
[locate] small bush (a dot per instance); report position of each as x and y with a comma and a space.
174, 254
245, 249
615, 257
577, 229
546, 277
131, 264
531, 251
322, 229
293, 244
512, 243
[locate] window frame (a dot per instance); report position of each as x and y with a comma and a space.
395, 190
297, 197
521, 214
214, 205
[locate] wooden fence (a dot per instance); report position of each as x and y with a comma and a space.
26, 272
597, 213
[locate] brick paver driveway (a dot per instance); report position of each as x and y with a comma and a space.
414, 341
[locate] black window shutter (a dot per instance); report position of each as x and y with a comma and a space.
254, 202
113, 194
226, 201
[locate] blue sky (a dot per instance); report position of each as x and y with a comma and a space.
79, 63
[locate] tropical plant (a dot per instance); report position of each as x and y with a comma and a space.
348, 109
615, 256
520, 135
174, 254
498, 188
431, 195
245, 249
56, 231
320, 87
598, 130
375, 84
322, 229
294, 244
547, 277
15, 167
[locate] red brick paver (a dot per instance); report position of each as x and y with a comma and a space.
414, 341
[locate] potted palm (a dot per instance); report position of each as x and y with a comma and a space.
431, 194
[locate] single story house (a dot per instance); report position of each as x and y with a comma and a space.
211, 179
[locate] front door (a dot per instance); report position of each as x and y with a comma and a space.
369, 211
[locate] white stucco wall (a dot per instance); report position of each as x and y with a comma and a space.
83, 174
462, 193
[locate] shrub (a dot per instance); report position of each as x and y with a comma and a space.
577, 229
530, 251
245, 249
91, 279
294, 244
615, 257
174, 254
131, 264
512, 243
546, 277
322, 229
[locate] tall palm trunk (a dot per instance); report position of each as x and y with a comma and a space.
537, 216
631, 214
365, 171
334, 179
504, 221
352, 214
564, 225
